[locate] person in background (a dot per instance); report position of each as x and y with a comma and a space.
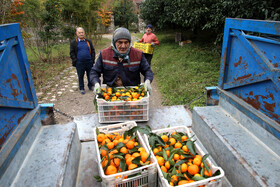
151, 38
121, 64
82, 54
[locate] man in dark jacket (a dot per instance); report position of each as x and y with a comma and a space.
121, 64
82, 54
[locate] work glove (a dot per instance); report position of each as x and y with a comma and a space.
97, 88
147, 86
153, 44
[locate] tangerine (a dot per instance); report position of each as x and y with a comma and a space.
155, 151
181, 182
178, 145
184, 138
124, 150
101, 137
197, 161
103, 152
111, 170
164, 138
193, 169
184, 167
185, 148
172, 141
174, 178
163, 168
130, 144
132, 166
176, 157
206, 173
110, 145
144, 156
160, 160
167, 164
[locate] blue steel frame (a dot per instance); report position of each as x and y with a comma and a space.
250, 63
17, 93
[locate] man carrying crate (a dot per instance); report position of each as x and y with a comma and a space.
151, 38
121, 64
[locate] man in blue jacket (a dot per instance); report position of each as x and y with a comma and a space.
82, 54
121, 64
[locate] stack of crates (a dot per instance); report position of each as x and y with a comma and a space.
143, 176
145, 47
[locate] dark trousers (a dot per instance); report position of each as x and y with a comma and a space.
82, 68
148, 57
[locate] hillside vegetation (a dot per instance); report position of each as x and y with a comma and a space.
183, 73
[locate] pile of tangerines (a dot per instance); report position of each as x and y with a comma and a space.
177, 158
121, 152
123, 94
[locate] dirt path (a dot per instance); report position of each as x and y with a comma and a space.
65, 95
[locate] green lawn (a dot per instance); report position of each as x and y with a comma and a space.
183, 73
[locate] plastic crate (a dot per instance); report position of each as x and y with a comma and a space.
148, 175
162, 182
145, 47
121, 111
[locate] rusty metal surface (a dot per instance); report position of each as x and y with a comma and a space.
16, 148
250, 64
17, 93
159, 118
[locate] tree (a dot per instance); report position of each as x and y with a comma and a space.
81, 13
206, 14
124, 13
51, 22
105, 17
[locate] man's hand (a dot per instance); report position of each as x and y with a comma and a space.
153, 44
97, 88
147, 86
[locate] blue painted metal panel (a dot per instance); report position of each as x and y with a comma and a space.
17, 93
250, 64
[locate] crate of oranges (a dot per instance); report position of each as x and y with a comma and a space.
122, 104
181, 160
123, 157
145, 47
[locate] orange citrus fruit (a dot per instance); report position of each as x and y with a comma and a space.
130, 144
132, 166
100, 137
111, 170
184, 167
193, 169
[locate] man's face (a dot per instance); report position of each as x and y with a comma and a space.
80, 33
148, 30
122, 45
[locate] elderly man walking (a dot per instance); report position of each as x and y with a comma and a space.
121, 64
82, 54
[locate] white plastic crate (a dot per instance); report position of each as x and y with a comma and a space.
121, 111
148, 173
162, 182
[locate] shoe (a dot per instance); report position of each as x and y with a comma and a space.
82, 92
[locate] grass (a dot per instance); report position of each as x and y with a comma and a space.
183, 73
42, 71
